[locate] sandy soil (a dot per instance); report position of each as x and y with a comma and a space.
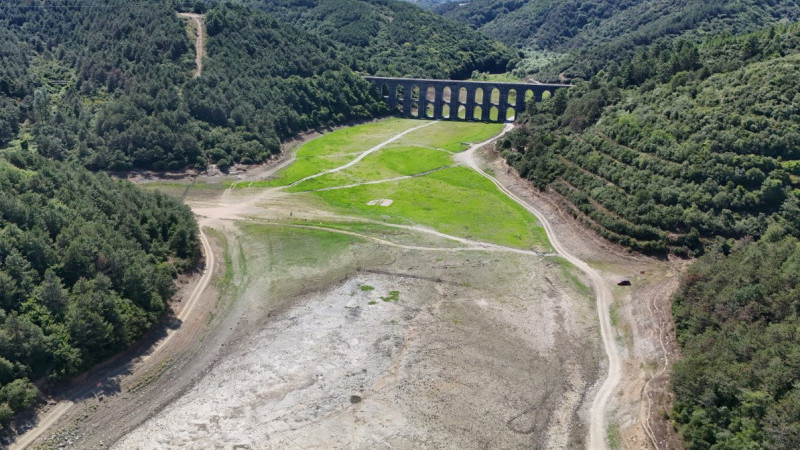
442, 367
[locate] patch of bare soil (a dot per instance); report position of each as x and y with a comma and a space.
644, 330
200, 37
469, 352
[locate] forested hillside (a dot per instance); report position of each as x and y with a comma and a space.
394, 38
738, 323
695, 148
110, 84
588, 33
86, 267
677, 146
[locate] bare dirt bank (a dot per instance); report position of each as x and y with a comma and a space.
641, 315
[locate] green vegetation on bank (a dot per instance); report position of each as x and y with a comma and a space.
677, 146
455, 201
87, 265
737, 318
390, 162
337, 148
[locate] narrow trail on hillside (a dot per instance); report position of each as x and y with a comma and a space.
597, 413
199, 44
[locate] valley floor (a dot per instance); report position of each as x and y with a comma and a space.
335, 323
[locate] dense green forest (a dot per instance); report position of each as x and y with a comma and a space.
676, 146
578, 37
87, 264
694, 148
394, 38
738, 323
110, 85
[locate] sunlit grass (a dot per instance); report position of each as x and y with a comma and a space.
337, 148
390, 162
455, 201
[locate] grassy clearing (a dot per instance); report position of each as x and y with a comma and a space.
451, 136
390, 162
296, 248
455, 201
337, 148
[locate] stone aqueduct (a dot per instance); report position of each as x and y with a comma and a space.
411, 97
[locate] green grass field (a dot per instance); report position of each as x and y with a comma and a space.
338, 148
453, 200
451, 136
391, 162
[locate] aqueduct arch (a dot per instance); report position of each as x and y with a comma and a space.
503, 97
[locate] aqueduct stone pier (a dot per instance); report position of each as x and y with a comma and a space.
459, 100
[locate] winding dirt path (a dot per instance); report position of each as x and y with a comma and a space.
199, 44
597, 413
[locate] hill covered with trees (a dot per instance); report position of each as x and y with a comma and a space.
87, 265
395, 38
737, 316
677, 146
110, 85
588, 33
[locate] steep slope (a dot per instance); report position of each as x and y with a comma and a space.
676, 147
594, 31
394, 38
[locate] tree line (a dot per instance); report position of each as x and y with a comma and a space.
576, 38
87, 264
678, 145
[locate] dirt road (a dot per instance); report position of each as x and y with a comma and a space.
597, 414
199, 44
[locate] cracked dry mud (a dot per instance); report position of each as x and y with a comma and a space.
478, 351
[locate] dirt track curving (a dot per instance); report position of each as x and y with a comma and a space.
597, 414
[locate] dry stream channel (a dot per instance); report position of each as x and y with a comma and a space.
377, 292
